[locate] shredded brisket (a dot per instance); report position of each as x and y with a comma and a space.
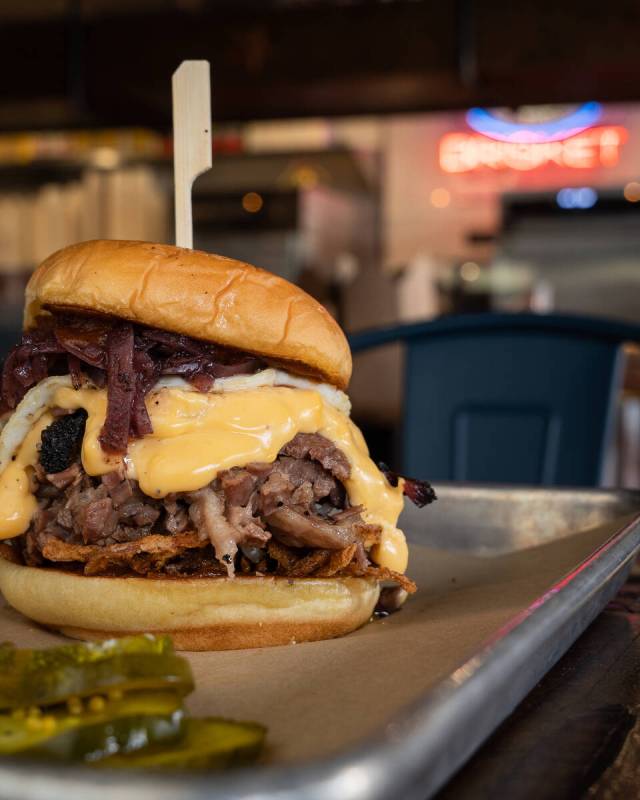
66, 477
128, 359
291, 517
421, 493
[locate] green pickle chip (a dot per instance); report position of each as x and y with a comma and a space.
51, 676
117, 703
208, 743
98, 729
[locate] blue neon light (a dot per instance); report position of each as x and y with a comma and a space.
485, 122
578, 197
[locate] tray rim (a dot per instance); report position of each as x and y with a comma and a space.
411, 757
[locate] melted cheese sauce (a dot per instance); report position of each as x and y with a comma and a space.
17, 504
198, 435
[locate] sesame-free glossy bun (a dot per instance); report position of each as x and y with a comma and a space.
201, 295
198, 613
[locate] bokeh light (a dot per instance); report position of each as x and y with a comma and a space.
252, 202
440, 197
632, 192
470, 271
577, 197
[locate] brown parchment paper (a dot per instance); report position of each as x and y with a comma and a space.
319, 697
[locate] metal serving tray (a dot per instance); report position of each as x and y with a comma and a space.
509, 578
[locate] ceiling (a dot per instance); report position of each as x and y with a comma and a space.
79, 63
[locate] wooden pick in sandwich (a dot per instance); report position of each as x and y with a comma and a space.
191, 89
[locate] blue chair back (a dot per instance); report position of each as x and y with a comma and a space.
508, 398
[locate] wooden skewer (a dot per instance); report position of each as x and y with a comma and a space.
191, 88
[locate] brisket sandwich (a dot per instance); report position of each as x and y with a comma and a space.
177, 456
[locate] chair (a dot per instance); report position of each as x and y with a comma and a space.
508, 398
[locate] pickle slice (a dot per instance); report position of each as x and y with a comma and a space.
103, 728
208, 743
51, 676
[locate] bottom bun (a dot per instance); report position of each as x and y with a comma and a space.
198, 613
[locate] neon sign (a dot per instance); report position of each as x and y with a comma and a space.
595, 147
494, 125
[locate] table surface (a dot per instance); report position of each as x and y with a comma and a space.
577, 734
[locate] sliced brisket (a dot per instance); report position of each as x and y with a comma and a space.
238, 485
176, 515
66, 477
99, 520
290, 518
317, 448
299, 530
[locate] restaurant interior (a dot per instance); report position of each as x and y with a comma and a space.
460, 178
458, 183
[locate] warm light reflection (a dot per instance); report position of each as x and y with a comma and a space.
632, 192
470, 271
105, 158
305, 177
596, 147
252, 202
440, 197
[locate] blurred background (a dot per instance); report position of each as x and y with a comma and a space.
398, 159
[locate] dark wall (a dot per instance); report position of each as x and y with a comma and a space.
311, 58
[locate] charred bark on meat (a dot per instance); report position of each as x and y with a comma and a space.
61, 442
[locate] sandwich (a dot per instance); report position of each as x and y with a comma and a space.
176, 456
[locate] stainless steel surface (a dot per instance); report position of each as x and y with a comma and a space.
492, 520
423, 745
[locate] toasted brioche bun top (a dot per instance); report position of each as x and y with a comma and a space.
197, 294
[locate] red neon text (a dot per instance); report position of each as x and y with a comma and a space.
596, 147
